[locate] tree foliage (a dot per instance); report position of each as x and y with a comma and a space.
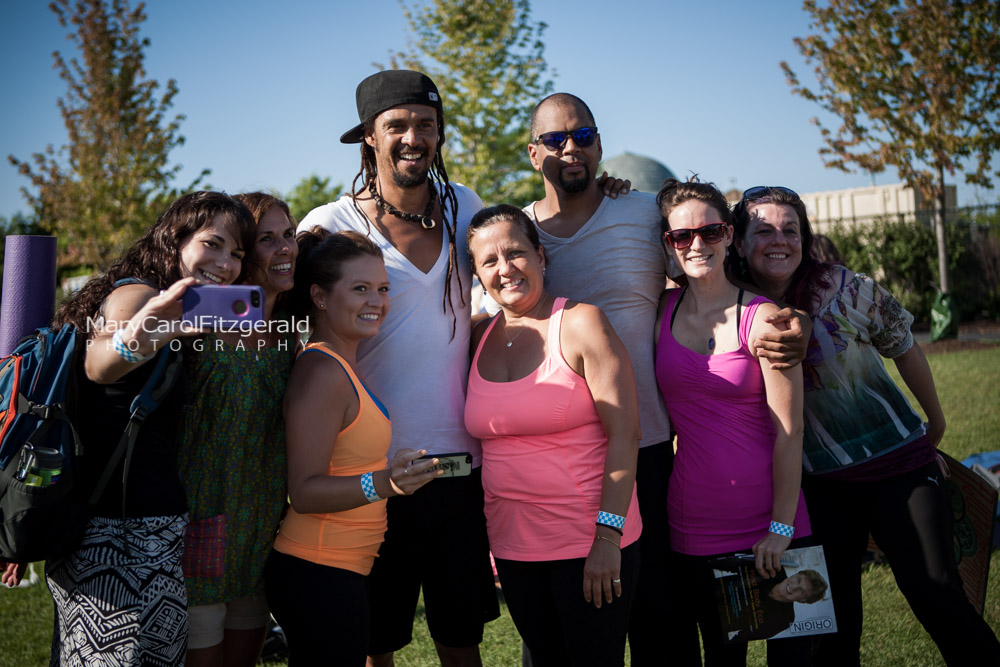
310, 192
109, 183
916, 86
901, 254
486, 57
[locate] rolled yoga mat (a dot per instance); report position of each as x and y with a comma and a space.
29, 288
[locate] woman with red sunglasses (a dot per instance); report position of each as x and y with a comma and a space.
735, 485
871, 463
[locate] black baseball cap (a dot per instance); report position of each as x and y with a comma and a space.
388, 89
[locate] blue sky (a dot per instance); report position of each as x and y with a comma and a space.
268, 88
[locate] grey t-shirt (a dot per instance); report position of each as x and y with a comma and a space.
616, 262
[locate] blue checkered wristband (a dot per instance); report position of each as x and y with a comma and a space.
612, 521
779, 528
122, 349
368, 486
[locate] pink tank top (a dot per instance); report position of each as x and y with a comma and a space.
543, 458
720, 494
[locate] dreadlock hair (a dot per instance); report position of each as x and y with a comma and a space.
437, 175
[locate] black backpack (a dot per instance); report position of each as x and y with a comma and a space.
37, 399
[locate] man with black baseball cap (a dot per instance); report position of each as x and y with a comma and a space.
418, 366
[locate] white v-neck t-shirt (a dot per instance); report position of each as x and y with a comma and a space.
413, 365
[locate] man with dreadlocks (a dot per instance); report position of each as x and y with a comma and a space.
418, 365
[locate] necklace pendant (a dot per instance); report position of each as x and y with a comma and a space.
711, 343
510, 343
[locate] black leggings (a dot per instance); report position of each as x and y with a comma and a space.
323, 611
559, 626
657, 631
910, 518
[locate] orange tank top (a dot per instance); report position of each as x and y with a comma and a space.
350, 539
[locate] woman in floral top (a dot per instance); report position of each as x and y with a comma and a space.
871, 462
232, 459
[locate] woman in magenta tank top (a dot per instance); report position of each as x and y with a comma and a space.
552, 396
735, 485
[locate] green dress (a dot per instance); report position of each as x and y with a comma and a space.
232, 465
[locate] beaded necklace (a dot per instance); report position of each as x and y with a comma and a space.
425, 220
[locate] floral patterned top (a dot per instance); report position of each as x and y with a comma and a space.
853, 410
232, 465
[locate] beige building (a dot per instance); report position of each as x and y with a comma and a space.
863, 204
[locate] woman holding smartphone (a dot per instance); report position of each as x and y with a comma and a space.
128, 564
552, 396
232, 457
337, 437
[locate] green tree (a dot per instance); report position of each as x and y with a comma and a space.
109, 183
916, 86
310, 192
486, 57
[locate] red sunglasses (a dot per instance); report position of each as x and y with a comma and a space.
682, 238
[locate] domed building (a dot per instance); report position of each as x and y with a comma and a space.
646, 174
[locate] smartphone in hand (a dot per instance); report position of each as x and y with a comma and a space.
453, 465
223, 307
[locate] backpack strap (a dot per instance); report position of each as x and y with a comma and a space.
48, 414
167, 366
132, 281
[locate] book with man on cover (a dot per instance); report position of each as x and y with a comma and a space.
796, 601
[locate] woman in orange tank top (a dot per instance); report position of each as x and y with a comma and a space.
337, 435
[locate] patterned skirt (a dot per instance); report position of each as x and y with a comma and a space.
120, 597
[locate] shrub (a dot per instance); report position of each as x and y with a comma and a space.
902, 256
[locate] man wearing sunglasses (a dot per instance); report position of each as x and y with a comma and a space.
609, 253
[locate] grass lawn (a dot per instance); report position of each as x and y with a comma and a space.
968, 383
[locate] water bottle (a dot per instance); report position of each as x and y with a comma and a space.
46, 467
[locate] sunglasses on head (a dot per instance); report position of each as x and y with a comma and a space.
683, 238
759, 191
582, 137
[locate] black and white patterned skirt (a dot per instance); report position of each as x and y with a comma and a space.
120, 597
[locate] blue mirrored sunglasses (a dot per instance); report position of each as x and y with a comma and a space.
582, 137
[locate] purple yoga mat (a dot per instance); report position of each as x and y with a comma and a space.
29, 288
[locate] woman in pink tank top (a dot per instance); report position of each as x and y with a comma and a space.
735, 485
552, 396
337, 436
